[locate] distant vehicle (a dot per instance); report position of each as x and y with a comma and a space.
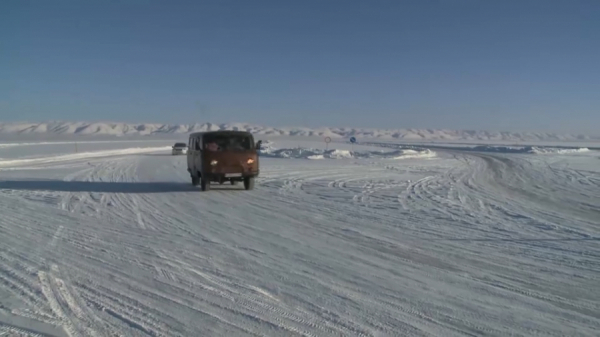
220, 156
179, 148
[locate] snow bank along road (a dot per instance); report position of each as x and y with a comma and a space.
463, 244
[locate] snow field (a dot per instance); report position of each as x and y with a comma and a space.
462, 243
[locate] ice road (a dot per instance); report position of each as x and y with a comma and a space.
460, 243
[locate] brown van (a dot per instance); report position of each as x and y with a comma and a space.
220, 156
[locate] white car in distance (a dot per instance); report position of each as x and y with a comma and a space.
179, 148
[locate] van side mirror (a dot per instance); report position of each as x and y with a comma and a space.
258, 144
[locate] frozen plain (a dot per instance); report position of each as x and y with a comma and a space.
114, 241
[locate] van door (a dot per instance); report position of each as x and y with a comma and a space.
190, 155
198, 154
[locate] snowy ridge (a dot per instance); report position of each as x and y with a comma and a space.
123, 129
8, 145
4, 163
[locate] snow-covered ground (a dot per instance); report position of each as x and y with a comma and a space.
368, 241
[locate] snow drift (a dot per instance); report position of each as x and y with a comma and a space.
527, 149
124, 129
268, 150
541, 150
488, 148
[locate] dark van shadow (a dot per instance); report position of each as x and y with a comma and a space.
160, 155
97, 186
522, 240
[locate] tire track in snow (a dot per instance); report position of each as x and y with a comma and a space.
56, 236
138, 213
252, 298
18, 283
58, 293
15, 331
48, 292
233, 294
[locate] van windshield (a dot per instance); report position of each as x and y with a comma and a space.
220, 142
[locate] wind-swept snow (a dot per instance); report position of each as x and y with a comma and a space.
464, 243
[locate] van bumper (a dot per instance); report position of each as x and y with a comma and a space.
221, 176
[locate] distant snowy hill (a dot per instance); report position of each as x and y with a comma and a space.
124, 129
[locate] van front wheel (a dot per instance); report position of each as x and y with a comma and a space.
249, 183
204, 184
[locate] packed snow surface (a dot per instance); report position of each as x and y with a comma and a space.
117, 242
124, 129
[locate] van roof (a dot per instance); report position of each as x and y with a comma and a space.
232, 132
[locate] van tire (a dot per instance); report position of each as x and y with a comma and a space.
249, 183
195, 181
204, 184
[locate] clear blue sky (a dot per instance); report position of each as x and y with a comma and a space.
460, 64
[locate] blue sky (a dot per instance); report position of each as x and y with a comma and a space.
498, 65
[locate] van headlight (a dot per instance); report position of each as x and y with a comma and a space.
213, 163
250, 160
